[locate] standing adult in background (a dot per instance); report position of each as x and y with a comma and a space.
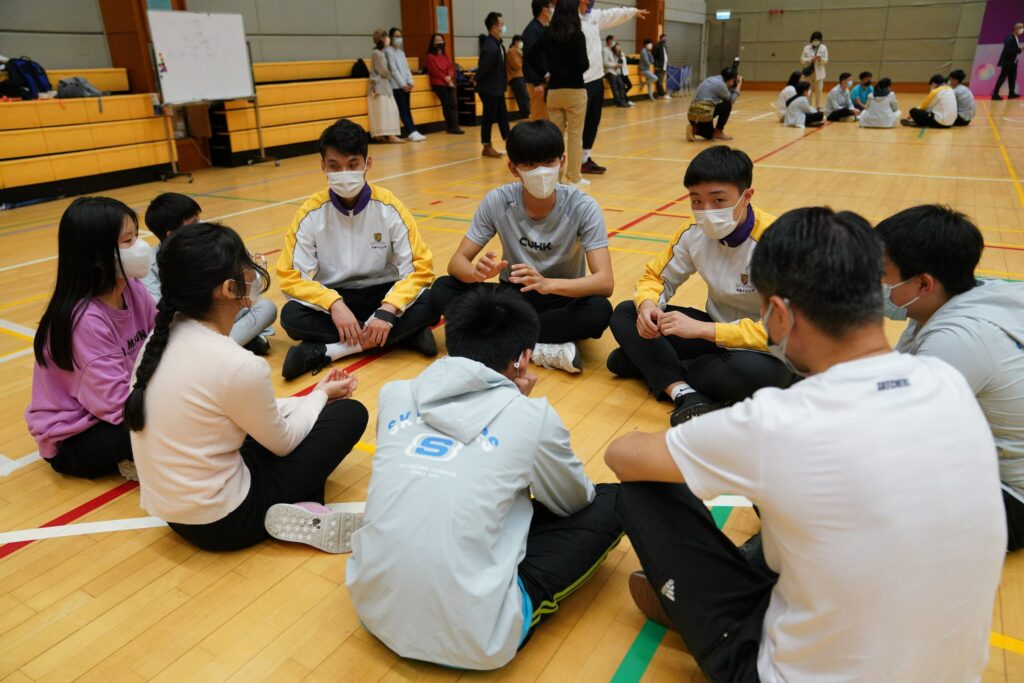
593, 21
401, 84
516, 79
661, 65
613, 72
712, 104
816, 54
381, 109
491, 82
1008, 62
441, 71
647, 67
542, 13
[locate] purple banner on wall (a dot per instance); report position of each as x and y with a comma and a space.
997, 23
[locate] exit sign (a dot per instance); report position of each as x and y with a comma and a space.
723, 14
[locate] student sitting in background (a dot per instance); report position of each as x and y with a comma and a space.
883, 110
977, 326
964, 98
355, 271
88, 338
458, 569
799, 112
220, 459
785, 94
860, 92
938, 110
550, 233
839, 104
170, 211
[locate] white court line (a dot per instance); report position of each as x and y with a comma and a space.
16, 354
17, 329
761, 116
81, 529
28, 263
7, 465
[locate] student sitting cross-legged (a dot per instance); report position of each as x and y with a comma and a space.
88, 339
938, 110
862, 91
799, 112
839, 103
219, 458
170, 211
456, 562
699, 359
354, 268
883, 111
877, 466
550, 234
977, 326
964, 98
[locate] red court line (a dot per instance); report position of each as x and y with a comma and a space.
1003, 246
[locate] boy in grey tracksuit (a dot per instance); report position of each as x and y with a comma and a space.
455, 562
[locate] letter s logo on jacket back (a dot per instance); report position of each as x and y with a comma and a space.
433, 447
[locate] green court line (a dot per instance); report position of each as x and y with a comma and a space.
638, 237
242, 199
921, 134
645, 645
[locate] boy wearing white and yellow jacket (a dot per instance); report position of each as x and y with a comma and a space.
354, 269
702, 360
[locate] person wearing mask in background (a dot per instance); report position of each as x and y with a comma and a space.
799, 112
839, 104
441, 72
491, 83
87, 341
354, 269
647, 68
660, 54
563, 49
816, 54
862, 91
1008, 60
542, 12
401, 84
964, 98
514, 73
627, 84
613, 72
381, 109
938, 110
787, 92
593, 22
712, 104
883, 110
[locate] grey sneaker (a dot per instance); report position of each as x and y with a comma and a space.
559, 357
127, 470
329, 530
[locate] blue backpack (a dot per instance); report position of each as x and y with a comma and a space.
28, 77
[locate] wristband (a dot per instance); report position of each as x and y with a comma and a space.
385, 315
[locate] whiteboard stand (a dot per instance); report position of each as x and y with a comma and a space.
171, 147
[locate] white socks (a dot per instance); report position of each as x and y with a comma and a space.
341, 349
586, 156
682, 390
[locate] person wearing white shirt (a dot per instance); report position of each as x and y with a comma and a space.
964, 98
938, 110
839, 103
788, 91
220, 459
799, 112
877, 467
816, 54
882, 111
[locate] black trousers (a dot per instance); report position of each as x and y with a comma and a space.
94, 452
303, 323
592, 121
660, 83
720, 598
451, 112
522, 95
562, 318
728, 374
960, 121
721, 117
299, 476
563, 552
494, 112
812, 119
1007, 74
1014, 521
837, 115
404, 110
925, 119
618, 89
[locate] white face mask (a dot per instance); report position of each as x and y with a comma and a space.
779, 350
398, 43
540, 182
849, 84
894, 311
347, 184
503, 29
136, 260
816, 43
717, 223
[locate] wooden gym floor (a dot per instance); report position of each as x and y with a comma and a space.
133, 604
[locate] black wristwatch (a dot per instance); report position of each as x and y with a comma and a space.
385, 315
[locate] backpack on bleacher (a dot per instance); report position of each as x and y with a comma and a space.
26, 79
360, 70
76, 86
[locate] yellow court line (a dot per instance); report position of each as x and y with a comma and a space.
16, 335
365, 447
1006, 157
1006, 643
26, 300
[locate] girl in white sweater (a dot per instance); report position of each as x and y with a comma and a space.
799, 112
219, 458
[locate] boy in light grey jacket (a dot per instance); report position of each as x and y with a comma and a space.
455, 563
401, 84
977, 326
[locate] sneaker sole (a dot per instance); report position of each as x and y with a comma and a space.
330, 532
696, 411
646, 599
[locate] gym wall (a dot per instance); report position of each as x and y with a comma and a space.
56, 33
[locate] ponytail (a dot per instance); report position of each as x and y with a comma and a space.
135, 406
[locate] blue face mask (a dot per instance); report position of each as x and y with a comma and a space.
895, 311
779, 350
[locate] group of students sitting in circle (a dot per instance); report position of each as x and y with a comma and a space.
480, 518
949, 102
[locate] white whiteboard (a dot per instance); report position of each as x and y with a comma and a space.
200, 57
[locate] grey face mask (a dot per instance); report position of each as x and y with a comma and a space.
779, 350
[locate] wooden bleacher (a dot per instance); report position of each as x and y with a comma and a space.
112, 80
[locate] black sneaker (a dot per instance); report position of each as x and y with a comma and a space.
908, 123
620, 365
996, 98
422, 342
1012, 96
646, 599
691, 405
259, 345
306, 357
592, 167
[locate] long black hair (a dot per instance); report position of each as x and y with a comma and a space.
196, 260
794, 78
566, 21
801, 91
88, 263
430, 46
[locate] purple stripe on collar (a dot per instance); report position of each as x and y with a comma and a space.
740, 234
361, 202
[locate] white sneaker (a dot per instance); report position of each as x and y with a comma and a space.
127, 470
667, 97
630, 103
581, 184
558, 357
329, 529
417, 136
